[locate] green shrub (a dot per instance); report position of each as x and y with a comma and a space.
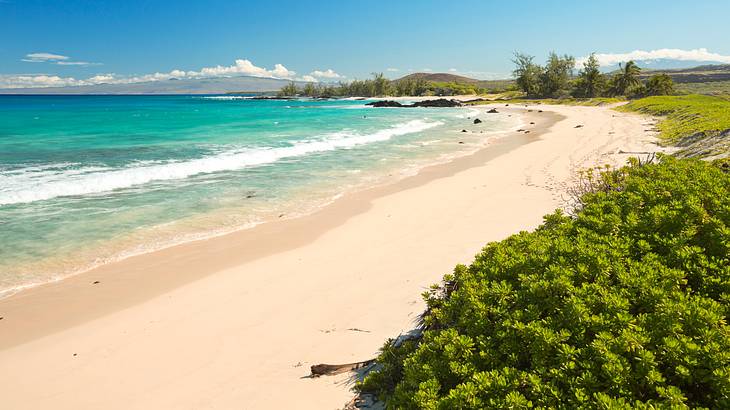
622, 306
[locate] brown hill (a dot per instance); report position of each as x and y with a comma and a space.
701, 74
440, 77
460, 79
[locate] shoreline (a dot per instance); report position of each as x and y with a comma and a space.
291, 213
237, 320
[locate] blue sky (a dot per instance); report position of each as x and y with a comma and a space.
126, 39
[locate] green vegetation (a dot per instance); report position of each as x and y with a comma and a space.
379, 86
623, 305
596, 101
626, 81
446, 89
527, 75
590, 83
555, 79
660, 84
686, 115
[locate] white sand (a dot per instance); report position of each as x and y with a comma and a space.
260, 307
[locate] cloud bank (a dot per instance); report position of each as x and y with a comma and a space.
240, 67
699, 54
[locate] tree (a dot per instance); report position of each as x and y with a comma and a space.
309, 90
289, 90
527, 74
381, 85
660, 84
555, 78
591, 83
626, 79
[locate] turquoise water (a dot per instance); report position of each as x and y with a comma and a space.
85, 180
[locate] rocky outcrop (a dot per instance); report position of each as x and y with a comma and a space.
493, 111
441, 102
477, 121
385, 103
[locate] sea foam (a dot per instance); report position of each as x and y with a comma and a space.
27, 185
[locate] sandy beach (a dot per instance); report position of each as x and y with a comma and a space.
236, 321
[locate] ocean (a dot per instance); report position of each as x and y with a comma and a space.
86, 180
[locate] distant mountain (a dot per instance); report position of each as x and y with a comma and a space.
666, 64
699, 74
218, 85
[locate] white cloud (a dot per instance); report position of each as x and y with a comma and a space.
428, 70
243, 67
53, 59
327, 74
453, 70
392, 70
240, 67
699, 54
43, 57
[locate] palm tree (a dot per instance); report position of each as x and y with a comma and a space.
660, 84
626, 79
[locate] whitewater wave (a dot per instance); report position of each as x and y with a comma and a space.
29, 185
227, 97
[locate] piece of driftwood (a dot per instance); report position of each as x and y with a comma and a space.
330, 369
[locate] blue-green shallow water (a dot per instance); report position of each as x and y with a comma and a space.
89, 179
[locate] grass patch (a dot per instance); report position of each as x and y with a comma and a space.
685, 115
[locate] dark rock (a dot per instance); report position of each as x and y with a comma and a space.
477, 121
493, 111
527, 132
441, 102
474, 100
532, 123
463, 130
385, 103
578, 126
506, 105
461, 142
539, 110
96, 282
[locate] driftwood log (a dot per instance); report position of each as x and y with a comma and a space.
330, 369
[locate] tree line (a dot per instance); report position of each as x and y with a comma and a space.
379, 86
556, 80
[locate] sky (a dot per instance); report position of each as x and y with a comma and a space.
74, 42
